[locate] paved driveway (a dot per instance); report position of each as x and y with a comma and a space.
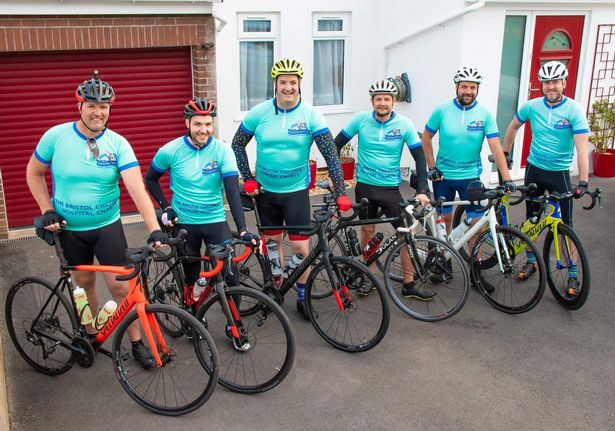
549, 369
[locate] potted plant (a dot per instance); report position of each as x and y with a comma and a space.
347, 159
602, 125
312, 164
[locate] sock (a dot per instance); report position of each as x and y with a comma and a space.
300, 292
136, 343
531, 258
409, 285
572, 272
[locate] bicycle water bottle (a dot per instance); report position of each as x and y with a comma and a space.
460, 230
274, 257
104, 314
293, 263
198, 288
372, 245
83, 306
441, 228
526, 225
353, 242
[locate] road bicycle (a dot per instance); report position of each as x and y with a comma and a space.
436, 265
562, 250
497, 255
332, 304
255, 341
45, 327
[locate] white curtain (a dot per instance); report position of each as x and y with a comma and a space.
328, 72
255, 62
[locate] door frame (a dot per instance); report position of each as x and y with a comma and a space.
518, 173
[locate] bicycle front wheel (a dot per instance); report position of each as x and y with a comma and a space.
437, 271
38, 340
569, 270
344, 320
264, 354
166, 285
189, 370
501, 286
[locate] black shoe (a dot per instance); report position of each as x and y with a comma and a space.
411, 291
572, 288
442, 274
301, 308
142, 355
527, 271
365, 289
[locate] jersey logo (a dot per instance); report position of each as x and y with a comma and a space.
562, 124
476, 126
298, 129
211, 168
106, 159
393, 135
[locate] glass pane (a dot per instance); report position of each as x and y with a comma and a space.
556, 41
564, 61
328, 72
255, 60
330, 25
256, 25
510, 71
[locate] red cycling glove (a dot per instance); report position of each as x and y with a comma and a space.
250, 186
344, 203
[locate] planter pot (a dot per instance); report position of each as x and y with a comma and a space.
348, 166
312, 174
604, 164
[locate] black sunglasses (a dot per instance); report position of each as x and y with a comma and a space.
93, 146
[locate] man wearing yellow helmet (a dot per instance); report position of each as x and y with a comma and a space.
285, 128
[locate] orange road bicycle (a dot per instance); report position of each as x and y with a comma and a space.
43, 323
253, 334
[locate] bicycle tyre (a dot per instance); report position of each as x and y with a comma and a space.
345, 324
23, 305
191, 365
166, 288
451, 292
267, 330
553, 272
506, 292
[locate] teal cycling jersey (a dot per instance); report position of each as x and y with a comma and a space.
283, 142
462, 132
85, 188
196, 178
380, 146
553, 130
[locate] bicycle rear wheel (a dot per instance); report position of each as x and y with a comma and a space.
189, 372
166, 285
441, 271
341, 318
38, 341
265, 352
502, 288
572, 257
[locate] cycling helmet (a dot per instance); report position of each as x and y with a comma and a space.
552, 71
468, 74
199, 106
286, 66
95, 90
383, 87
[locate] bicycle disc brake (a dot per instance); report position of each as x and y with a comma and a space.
85, 357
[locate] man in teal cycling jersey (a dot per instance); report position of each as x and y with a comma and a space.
382, 135
558, 127
463, 124
200, 167
284, 128
87, 160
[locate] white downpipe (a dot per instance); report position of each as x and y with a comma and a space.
222, 21
462, 12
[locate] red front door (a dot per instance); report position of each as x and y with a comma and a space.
555, 38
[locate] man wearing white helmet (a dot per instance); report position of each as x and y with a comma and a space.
558, 127
463, 123
382, 134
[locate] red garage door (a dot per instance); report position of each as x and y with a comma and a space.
37, 92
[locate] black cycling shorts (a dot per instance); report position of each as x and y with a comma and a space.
552, 181
387, 198
107, 243
290, 209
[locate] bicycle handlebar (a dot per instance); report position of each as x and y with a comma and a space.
596, 195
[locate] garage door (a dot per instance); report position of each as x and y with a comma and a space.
37, 92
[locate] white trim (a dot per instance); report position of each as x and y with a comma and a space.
108, 7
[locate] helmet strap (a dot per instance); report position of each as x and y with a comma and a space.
87, 127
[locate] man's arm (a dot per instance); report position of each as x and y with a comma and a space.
35, 177
340, 141
327, 148
500, 159
428, 148
580, 143
511, 134
134, 184
240, 141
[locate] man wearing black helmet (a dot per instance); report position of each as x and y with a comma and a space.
88, 160
200, 166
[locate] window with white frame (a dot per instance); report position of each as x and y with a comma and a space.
257, 36
330, 32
